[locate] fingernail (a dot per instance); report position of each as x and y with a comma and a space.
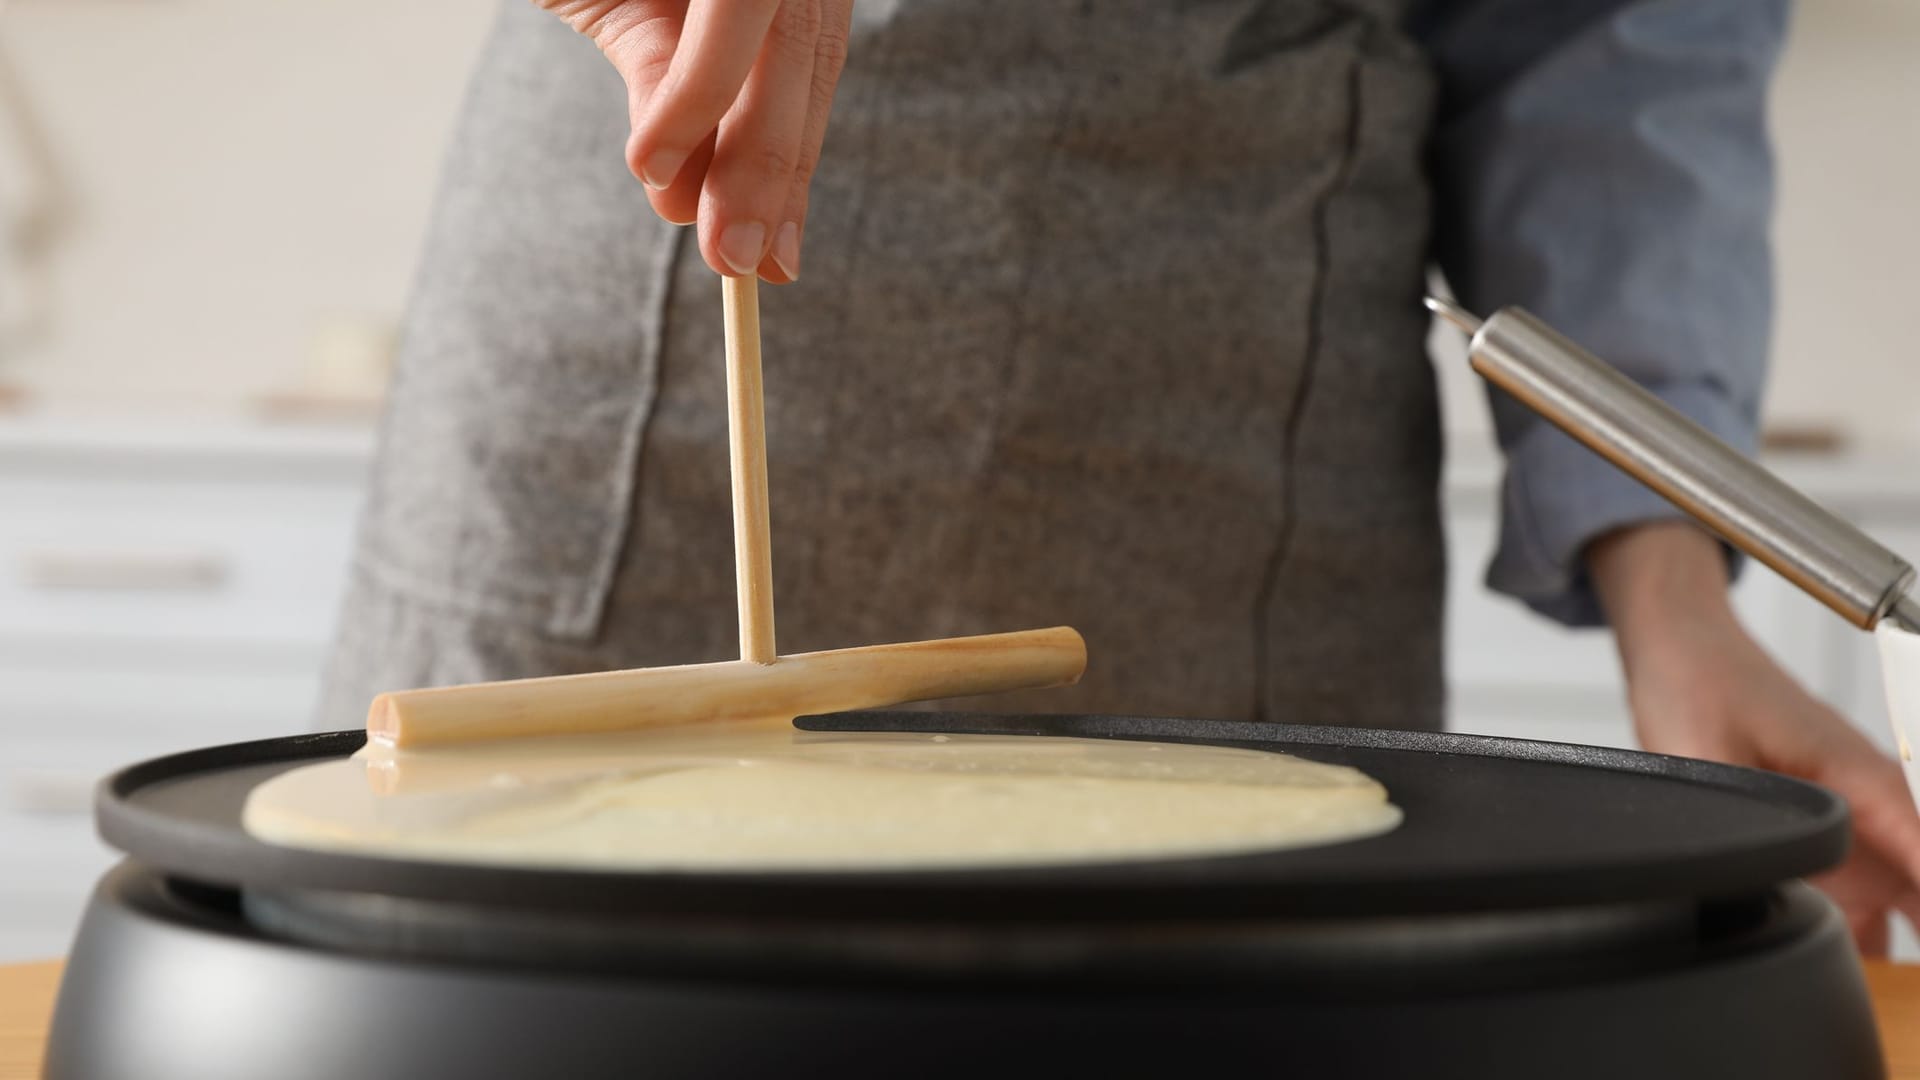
786, 250
659, 170
741, 245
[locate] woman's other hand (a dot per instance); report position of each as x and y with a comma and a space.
1701, 687
728, 100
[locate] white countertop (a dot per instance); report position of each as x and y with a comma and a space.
225, 440
1853, 479
1869, 477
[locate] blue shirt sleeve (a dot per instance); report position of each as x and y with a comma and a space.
1605, 164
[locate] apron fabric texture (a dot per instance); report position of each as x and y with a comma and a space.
1110, 317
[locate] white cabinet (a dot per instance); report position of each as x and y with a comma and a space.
160, 589
1510, 672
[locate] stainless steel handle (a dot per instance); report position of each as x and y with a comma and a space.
1756, 511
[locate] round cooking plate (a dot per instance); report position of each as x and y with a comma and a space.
1490, 824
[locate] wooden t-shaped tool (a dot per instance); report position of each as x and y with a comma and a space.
759, 684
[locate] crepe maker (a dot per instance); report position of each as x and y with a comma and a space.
1545, 909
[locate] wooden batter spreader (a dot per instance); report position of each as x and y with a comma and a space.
759, 684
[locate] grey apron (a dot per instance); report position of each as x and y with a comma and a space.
1110, 317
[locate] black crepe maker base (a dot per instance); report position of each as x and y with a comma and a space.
208, 960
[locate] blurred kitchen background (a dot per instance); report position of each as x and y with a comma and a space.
210, 210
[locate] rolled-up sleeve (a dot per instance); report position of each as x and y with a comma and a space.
1605, 164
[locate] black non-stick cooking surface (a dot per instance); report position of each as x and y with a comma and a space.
1490, 823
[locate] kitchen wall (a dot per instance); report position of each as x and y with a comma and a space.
245, 180
238, 180
1849, 227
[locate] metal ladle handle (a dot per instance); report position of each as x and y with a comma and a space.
1756, 511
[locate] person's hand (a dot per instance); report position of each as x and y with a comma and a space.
1699, 686
728, 101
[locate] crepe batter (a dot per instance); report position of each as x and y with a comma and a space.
765, 796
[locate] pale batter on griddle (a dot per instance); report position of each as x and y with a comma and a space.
763, 796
